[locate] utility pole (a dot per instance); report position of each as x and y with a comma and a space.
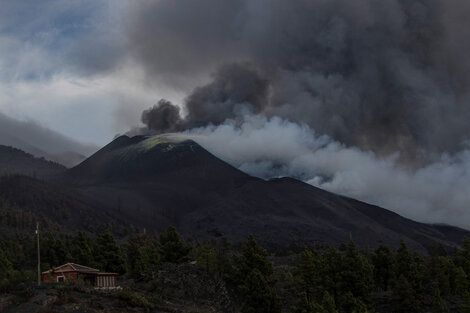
39, 255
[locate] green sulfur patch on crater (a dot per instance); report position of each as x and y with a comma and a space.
152, 142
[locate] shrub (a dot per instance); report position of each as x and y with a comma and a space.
134, 299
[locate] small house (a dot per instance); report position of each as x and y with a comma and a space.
72, 272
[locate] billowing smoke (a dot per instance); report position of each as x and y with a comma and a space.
365, 98
385, 76
164, 117
237, 89
269, 148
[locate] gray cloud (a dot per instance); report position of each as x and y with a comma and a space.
176, 41
42, 142
43, 41
386, 76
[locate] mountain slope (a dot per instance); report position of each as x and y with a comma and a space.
168, 158
166, 180
25, 200
42, 142
16, 162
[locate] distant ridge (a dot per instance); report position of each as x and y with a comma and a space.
42, 142
14, 161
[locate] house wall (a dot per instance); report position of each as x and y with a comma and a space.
69, 276
105, 281
96, 280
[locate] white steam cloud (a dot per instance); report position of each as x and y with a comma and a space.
274, 147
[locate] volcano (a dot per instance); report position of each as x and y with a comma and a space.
156, 181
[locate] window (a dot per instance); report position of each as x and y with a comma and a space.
60, 279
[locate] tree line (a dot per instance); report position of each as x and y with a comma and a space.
320, 280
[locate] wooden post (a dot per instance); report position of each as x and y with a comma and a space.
39, 254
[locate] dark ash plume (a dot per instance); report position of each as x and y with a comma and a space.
381, 75
163, 117
236, 90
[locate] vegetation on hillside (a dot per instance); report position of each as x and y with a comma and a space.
347, 279
16, 162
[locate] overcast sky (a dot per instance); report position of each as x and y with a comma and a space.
62, 64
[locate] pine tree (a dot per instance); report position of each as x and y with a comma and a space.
462, 257
61, 252
153, 255
403, 261
8, 275
305, 306
13, 250
172, 247
405, 296
108, 254
207, 257
253, 257
136, 263
254, 274
328, 303
309, 271
5, 264
258, 294
331, 275
411, 266
439, 272
459, 282
81, 250
465, 304
357, 273
438, 304
349, 303
418, 271
383, 262
48, 253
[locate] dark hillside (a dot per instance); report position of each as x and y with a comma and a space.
154, 182
169, 180
16, 162
24, 200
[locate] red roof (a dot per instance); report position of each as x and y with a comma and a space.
77, 268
